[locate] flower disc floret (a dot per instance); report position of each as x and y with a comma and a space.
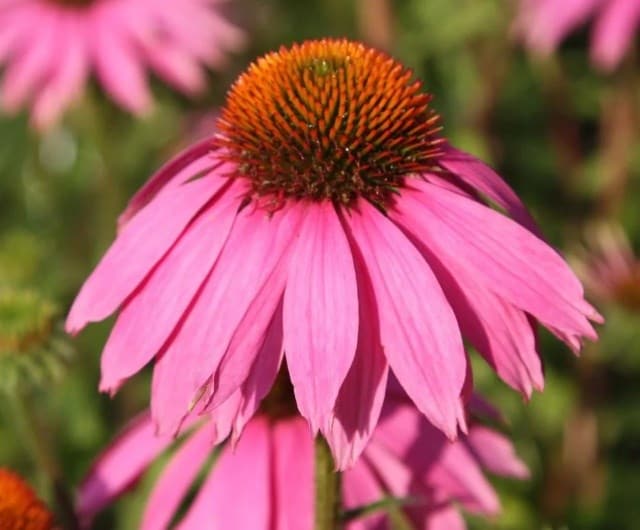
328, 120
19, 506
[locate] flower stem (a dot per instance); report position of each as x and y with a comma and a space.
327, 488
36, 444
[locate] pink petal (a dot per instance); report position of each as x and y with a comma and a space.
419, 332
496, 453
237, 493
118, 66
392, 471
320, 313
447, 518
359, 402
293, 477
486, 181
194, 161
497, 252
614, 32
68, 77
177, 67
360, 487
151, 315
176, 479
447, 467
119, 466
501, 333
546, 22
262, 375
137, 249
254, 249
255, 352
35, 62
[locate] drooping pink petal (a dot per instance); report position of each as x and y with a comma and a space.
613, 32
137, 249
501, 333
419, 332
194, 354
237, 493
176, 479
167, 293
262, 375
255, 352
196, 160
496, 453
119, 466
486, 181
293, 475
320, 313
359, 402
506, 258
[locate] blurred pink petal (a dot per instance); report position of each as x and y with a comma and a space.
496, 453
120, 465
265, 481
543, 24
119, 40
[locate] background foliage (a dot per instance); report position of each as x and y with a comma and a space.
565, 136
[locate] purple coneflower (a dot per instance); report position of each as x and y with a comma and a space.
327, 222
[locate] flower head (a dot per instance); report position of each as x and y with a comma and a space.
118, 39
19, 505
256, 484
543, 24
363, 244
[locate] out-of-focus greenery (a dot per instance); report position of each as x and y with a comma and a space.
557, 130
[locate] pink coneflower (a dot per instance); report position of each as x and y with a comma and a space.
265, 480
545, 23
119, 39
609, 268
328, 222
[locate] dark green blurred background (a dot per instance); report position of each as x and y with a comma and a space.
564, 136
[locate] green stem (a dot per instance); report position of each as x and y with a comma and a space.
39, 449
327, 488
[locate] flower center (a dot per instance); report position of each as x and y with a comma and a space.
19, 506
328, 120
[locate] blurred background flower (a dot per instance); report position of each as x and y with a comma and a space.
118, 40
544, 24
265, 478
20, 508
